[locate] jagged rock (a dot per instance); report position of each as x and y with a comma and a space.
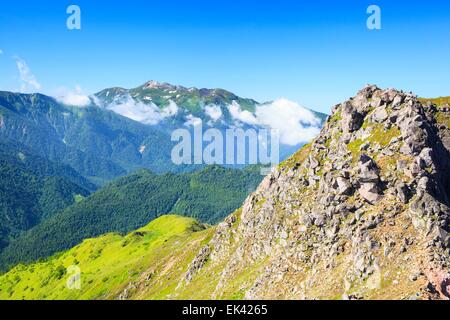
198, 262
380, 114
370, 192
425, 158
314, 163
403, 192
351, 119
368, 175
127, 292
369, 179
423, 183
364, 146
413, 171
397, 101
319, 219
345, 186
346, 137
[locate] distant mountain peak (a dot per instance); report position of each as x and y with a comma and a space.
153, 84
158, 85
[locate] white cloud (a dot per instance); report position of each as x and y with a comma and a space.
242, 115
73, 98
138, 111
1, 51
214, 112
97, 101
294, 123
192, 121
147, 113
170, 110
77, 100
27, 78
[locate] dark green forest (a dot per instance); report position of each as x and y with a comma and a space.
33, 189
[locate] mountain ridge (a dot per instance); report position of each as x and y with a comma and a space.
166, 92
106, 140
175, 90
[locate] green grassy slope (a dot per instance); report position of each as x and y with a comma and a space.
108, 264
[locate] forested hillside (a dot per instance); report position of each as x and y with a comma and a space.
32, 189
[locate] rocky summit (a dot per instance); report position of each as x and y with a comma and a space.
360, 213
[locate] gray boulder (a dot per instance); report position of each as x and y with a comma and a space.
379, 115
344, 186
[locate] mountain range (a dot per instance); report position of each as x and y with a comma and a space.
362, 212
117, 131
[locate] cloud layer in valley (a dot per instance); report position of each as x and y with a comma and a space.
242, 115
147, 113
73, 98
294, 123
214, 112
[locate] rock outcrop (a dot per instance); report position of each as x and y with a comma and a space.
360, 213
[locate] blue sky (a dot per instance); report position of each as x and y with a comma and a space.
316, 53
